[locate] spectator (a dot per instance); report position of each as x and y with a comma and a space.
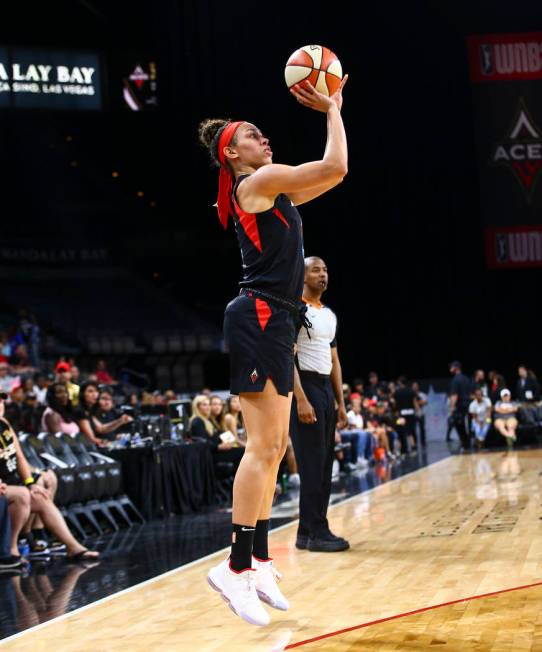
234, 419
85, 415
106, 412
505, 420
405, 405
355, 435
347, 392
357, 386
7, 380
8, 561
421, 402
527, 387
41, 384
497, 383
30, 332
201, 427
20, 361
59, 415
371, 391
379, 430
76, 374
5, 348
64, 376
31, 414
480, 411
102, 375
479, 382
460, 390
26, 496
14, 409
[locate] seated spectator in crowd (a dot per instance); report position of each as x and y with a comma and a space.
7, 380
346, 394
85, 415
22, 411
41, 384
5, 348
20, 360
527, 387
76, 374
8, 561
103, 376
497, 383
504, 416
107, 413
381, 430
480, 411
371, 390
14, 408
234, 419
479, 382
59, 414
28, 497
201, 427
357, 386
356, 435
64, 376
31, 414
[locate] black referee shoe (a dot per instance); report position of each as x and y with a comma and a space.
302, 541
327, 544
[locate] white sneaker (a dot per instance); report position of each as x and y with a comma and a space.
362, 463
294, 480
239, 591
267, 577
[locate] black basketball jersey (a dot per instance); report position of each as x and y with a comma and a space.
271, 244
8, 452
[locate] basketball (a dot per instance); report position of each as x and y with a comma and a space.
317, 64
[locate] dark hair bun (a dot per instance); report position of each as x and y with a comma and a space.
208, 129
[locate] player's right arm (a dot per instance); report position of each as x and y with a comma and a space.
270, 180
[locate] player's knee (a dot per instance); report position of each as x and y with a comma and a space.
271, 452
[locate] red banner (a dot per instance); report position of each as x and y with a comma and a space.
505, 57
513, 247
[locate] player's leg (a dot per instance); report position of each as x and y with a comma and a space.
266, 417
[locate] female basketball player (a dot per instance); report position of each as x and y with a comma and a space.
260, 325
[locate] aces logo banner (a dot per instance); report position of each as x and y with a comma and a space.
506, 75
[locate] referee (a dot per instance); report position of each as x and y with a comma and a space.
317, 386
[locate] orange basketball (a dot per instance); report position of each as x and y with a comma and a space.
319, 65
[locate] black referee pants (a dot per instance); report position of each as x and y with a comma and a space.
314, 446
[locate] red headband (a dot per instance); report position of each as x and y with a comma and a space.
225, 180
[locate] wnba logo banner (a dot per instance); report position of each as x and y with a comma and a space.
510, 247
506, 76
503, 57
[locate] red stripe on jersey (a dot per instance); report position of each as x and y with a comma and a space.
250, 225
281, 216
264, 312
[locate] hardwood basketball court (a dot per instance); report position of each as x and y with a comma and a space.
448, 557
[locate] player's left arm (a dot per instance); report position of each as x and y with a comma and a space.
337, 383
303, 196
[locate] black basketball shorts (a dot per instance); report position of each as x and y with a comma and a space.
260, 339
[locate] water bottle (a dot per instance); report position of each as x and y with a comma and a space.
284, 483
24, 547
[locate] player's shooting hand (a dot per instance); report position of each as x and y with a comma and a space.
308, 96
305, 412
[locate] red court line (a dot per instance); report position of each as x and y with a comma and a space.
408, 613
